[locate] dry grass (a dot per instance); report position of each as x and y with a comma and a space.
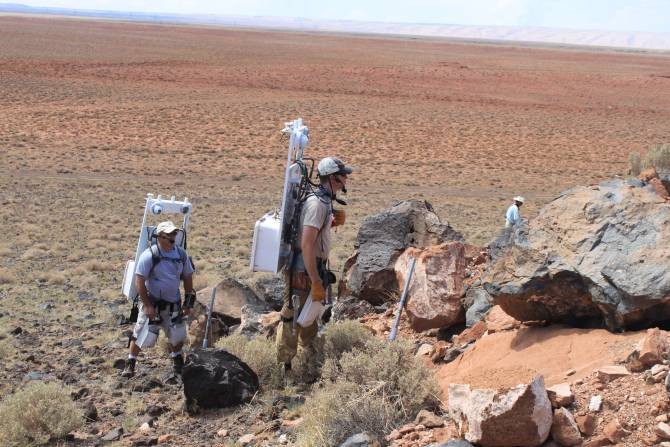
260, 354
51, 277
37, 414
7, 276
94, 265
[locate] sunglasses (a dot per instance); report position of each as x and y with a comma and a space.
171, 239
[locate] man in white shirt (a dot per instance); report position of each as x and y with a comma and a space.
512, 217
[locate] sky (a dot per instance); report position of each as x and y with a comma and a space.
613, 15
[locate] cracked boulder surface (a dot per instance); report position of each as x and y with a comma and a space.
594, 255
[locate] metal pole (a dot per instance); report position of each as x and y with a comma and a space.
209, 317
403, 297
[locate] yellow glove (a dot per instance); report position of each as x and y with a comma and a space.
318, 292
339, 217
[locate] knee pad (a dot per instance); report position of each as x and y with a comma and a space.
147, 335
176, 333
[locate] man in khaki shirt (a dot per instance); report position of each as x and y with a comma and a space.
309, 269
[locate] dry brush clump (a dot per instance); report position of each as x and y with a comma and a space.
370, 386
37, 414
657, 157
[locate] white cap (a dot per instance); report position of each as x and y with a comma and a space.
519, 199
166, 227
332, 165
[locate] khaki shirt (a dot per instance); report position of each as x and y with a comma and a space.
316, 213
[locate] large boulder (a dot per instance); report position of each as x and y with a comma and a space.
214, 378
234, 304
434, 297
369, 273
518, 417
595, 254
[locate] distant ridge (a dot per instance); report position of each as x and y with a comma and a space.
612, 39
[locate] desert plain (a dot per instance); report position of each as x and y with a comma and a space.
96, 114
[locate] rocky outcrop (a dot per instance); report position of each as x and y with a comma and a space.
434, 297
595, 254
520, 416
214, 378
369, 273
234, 304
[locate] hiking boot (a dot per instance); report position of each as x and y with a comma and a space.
129, 370
178, 364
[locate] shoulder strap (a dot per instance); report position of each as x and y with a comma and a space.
155, 257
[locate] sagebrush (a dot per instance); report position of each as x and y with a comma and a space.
658, 157
370, 388
37, 414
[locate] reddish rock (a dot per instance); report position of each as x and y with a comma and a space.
615, 432
497, 321
608, 373
653, 347
598, 441
435, 295
587, 424
438, 351
471, 334
564, 430
560, 395
520, 416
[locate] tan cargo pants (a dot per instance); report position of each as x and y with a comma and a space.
287, 342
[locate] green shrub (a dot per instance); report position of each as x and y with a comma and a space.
36, 414
260, 354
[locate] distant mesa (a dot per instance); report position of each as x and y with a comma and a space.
527, 35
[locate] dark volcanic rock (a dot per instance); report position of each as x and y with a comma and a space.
595, 254
369, 273
214, 378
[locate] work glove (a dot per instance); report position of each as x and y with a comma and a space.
339, 217
317, 291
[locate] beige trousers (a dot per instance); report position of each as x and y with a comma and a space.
288, 342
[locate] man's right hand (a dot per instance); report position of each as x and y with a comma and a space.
317, 291
150, 311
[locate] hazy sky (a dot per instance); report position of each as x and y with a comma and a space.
618, 15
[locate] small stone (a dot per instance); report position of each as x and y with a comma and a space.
570, 372
560, 395
246, 439
162, 439
112, 435
223, 433
283, 439
587, 424
608, 373
564, 430
428, 419
662, 418
90, 412
424, 350
597, 441
615, 432
145, 428
596, 403
407, 428
658, 369
395, 434
662, 430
